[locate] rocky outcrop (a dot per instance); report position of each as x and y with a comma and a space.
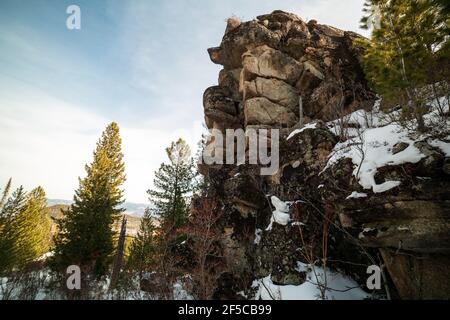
280, 72
410, 224
281, 58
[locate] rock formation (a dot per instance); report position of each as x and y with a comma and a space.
282, 72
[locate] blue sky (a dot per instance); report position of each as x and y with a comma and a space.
142, 63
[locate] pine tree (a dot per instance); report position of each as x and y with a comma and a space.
201, 183
173, 186
5, 195
31, 229
10, 207
143, 248
24, 227
443, 7
408, 39
173, 182
86, 236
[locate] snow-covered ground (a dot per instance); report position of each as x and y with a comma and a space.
335, 286
40, 285
338, 287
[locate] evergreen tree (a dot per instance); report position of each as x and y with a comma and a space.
31, 229
174, 184
24, 227
201, 183
408, 39
5, 196
143, 248
10, 207
86, 236
443, 7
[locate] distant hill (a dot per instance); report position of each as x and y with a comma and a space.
131, 208
55, 212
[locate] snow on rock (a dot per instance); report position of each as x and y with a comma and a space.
359, 119
311, 125
366, 230
281, 213
443, 146
339, 287
45, 256
279, 205
179, 293
258, 234
357, 195
388, 185
371, 150
372, 138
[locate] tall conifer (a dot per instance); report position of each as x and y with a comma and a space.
24, 227
174, 184
86, 236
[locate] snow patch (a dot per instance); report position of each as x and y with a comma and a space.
372, 150
444, 146
258, 234
281, 213
339, 287
365, 230
179, 293
311, 125
45, 256
357, 195
296, 164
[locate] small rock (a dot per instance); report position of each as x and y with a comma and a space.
232, 23
399, 147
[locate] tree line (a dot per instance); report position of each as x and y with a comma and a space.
85, 234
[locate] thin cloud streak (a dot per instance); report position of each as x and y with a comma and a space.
140, 63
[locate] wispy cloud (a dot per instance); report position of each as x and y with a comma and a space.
46, 141
141, 63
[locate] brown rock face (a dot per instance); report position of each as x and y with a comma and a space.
280, 57
274, 90
262, 111
270, 65
266, 62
